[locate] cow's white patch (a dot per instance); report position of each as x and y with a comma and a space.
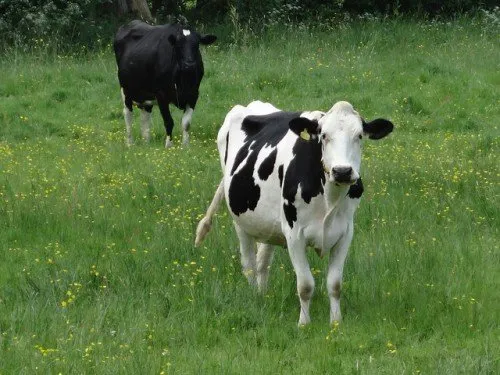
335, 272
186, 32
127, 114
168, 142
186, 122
185, 138
145, 124
186, 117
313, 115
264, 258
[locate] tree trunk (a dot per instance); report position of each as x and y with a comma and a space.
122, 7
141, 7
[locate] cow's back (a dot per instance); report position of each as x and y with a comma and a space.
126, 34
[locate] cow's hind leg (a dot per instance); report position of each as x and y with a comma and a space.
265, 254
146, 122
127, 115
335, 270
186, 123
248, 258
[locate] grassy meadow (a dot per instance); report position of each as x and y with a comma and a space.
98, 271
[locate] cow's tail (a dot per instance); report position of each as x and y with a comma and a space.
205, 224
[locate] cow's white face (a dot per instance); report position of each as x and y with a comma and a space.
340, 136
340, 132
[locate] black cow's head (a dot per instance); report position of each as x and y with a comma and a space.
186, 44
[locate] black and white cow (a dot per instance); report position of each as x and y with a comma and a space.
292, 179
161, 63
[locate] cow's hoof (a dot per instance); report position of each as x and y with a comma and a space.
169, 143
185, 139
303, 324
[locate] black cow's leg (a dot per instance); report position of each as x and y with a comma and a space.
127, 114
168, 122
186, 122
146, 121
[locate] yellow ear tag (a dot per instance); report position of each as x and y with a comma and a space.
305, 135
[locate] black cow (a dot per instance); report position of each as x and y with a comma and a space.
161, 63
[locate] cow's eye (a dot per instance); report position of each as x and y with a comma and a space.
323, 136
360, 136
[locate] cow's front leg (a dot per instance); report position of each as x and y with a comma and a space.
335, 269
305, 279
168, 122
146, 122
247, 250
186, 123
265, 254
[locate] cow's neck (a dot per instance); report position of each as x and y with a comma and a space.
332, 229
187, 80
334, 194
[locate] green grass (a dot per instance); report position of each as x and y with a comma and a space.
98, 272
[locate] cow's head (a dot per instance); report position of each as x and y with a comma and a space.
340, 132
186, 44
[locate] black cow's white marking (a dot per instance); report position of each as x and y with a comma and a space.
292, 178
162, 64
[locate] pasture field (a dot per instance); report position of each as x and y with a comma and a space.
98, 272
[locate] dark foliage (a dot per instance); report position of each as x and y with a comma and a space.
29, 22
91, 23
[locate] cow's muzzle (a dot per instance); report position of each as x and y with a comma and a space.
188, 66
343, 175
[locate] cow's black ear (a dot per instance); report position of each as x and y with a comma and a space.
378, 128
208, 39
172, 39
304, 127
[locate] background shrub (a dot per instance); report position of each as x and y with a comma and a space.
91, 23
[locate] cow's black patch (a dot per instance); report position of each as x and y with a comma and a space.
267, 166
290, 213
252, 125
356, 190
260, 131
243, 192
267, 129
280, 174
305, 169
227, 145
